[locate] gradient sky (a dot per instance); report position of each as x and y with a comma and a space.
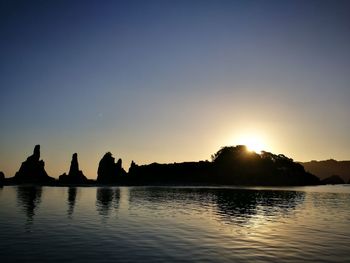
172, 81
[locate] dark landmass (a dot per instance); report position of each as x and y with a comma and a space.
175, 173
327, 168
229, 166
334, 179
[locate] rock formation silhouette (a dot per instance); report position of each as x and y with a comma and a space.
110, 172
334, 179
2, 178
32, 171
75, 176
231, 165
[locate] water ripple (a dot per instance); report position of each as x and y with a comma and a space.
169, 224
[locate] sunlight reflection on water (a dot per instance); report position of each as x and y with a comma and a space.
177, 224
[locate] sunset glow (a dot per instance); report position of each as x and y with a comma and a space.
254, 143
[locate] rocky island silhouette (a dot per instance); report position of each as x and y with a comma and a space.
231, 165
32, 171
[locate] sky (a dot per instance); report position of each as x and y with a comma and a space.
171, 81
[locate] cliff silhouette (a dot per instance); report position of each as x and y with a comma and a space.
327, 168
231, 165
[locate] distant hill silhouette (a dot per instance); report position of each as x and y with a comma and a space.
32, 171
75, 176
327, 168
334, 179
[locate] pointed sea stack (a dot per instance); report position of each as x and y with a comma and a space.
108, 171
32, 171
75, 176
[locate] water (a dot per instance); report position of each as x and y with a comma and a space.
171, 224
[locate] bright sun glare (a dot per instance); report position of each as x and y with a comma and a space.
253, 143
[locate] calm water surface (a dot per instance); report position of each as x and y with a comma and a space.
172, 224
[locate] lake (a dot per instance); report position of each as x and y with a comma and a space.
175, 224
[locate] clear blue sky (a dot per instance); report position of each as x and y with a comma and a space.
172, 80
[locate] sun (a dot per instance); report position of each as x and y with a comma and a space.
254, 143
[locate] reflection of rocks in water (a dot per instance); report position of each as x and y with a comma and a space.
184, 199
116, 198
72, 194
158, 194
241, 204
29, 197
232, 205
236, 202
104, 198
